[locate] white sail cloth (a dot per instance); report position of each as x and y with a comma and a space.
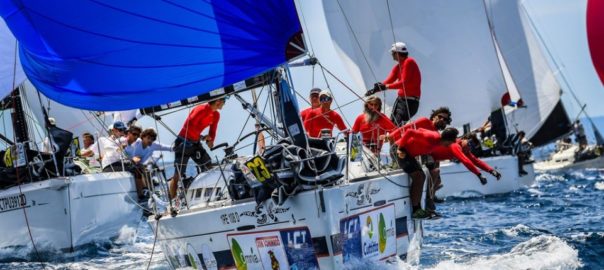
527, 64
450, 41
11, 73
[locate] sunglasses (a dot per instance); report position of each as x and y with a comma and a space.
445, 118
325, 99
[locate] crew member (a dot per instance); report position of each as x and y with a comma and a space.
405, 77
188, 143
313, 96
414, 143
372, 124
323, 117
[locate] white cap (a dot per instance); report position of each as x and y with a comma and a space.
399, 47
325, 93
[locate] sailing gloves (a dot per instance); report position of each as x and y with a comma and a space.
496, 174
483, 180
377, 87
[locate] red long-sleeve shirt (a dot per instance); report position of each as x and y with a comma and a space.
462, 154
371, 131
406, 77
419, 142
317, 119
304, 113
421, 122
200, 118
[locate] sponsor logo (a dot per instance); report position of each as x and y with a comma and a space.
363, 194
369, 225
266, 212
383, 235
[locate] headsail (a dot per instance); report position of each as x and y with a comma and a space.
527, 64
450, 41
11, 73
118, 55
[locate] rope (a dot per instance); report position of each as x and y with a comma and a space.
400, 68
154, 243
357, 41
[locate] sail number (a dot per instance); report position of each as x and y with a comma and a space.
258, 168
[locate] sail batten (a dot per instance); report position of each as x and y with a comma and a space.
103, 54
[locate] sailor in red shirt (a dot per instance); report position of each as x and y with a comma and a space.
372, 124
414, 143
439, 119
461, 151
405, 77
314, 103
323, 117
188, 143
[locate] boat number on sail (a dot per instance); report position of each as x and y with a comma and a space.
12, 202
259, 169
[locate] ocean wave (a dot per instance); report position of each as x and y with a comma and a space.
546, 177
599, 185
540, 252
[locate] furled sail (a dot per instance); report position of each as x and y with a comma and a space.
527, 64
116, 55
11, 73
451, 42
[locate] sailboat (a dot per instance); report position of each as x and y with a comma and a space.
43, 206
458, 58
303, 204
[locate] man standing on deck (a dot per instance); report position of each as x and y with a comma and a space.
188, 143
323, 117
405, 77
314, 103
414, 143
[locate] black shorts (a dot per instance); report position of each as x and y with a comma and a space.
409, 164
185, 150
403, 110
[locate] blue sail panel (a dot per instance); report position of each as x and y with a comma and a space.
117, 55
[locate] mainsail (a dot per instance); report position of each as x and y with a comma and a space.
11, 73
527, 64
116, 55
451, 42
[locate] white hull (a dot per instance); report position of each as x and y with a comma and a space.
64, 213
565, 160
552, 166
458, 181
369, 218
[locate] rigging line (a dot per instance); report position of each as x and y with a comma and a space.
154, 243
31, 237
306, 27
255, 105
357, 41
400, 71
385, 175
334, 98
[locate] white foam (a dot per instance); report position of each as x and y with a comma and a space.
541, 252
514, 231
599, 185
545, 177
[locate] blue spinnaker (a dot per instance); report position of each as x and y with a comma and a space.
122, 54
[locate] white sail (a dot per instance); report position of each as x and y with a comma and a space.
11, 73
451, 42
527, 65
74, 120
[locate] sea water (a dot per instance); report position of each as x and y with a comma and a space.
558, 223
